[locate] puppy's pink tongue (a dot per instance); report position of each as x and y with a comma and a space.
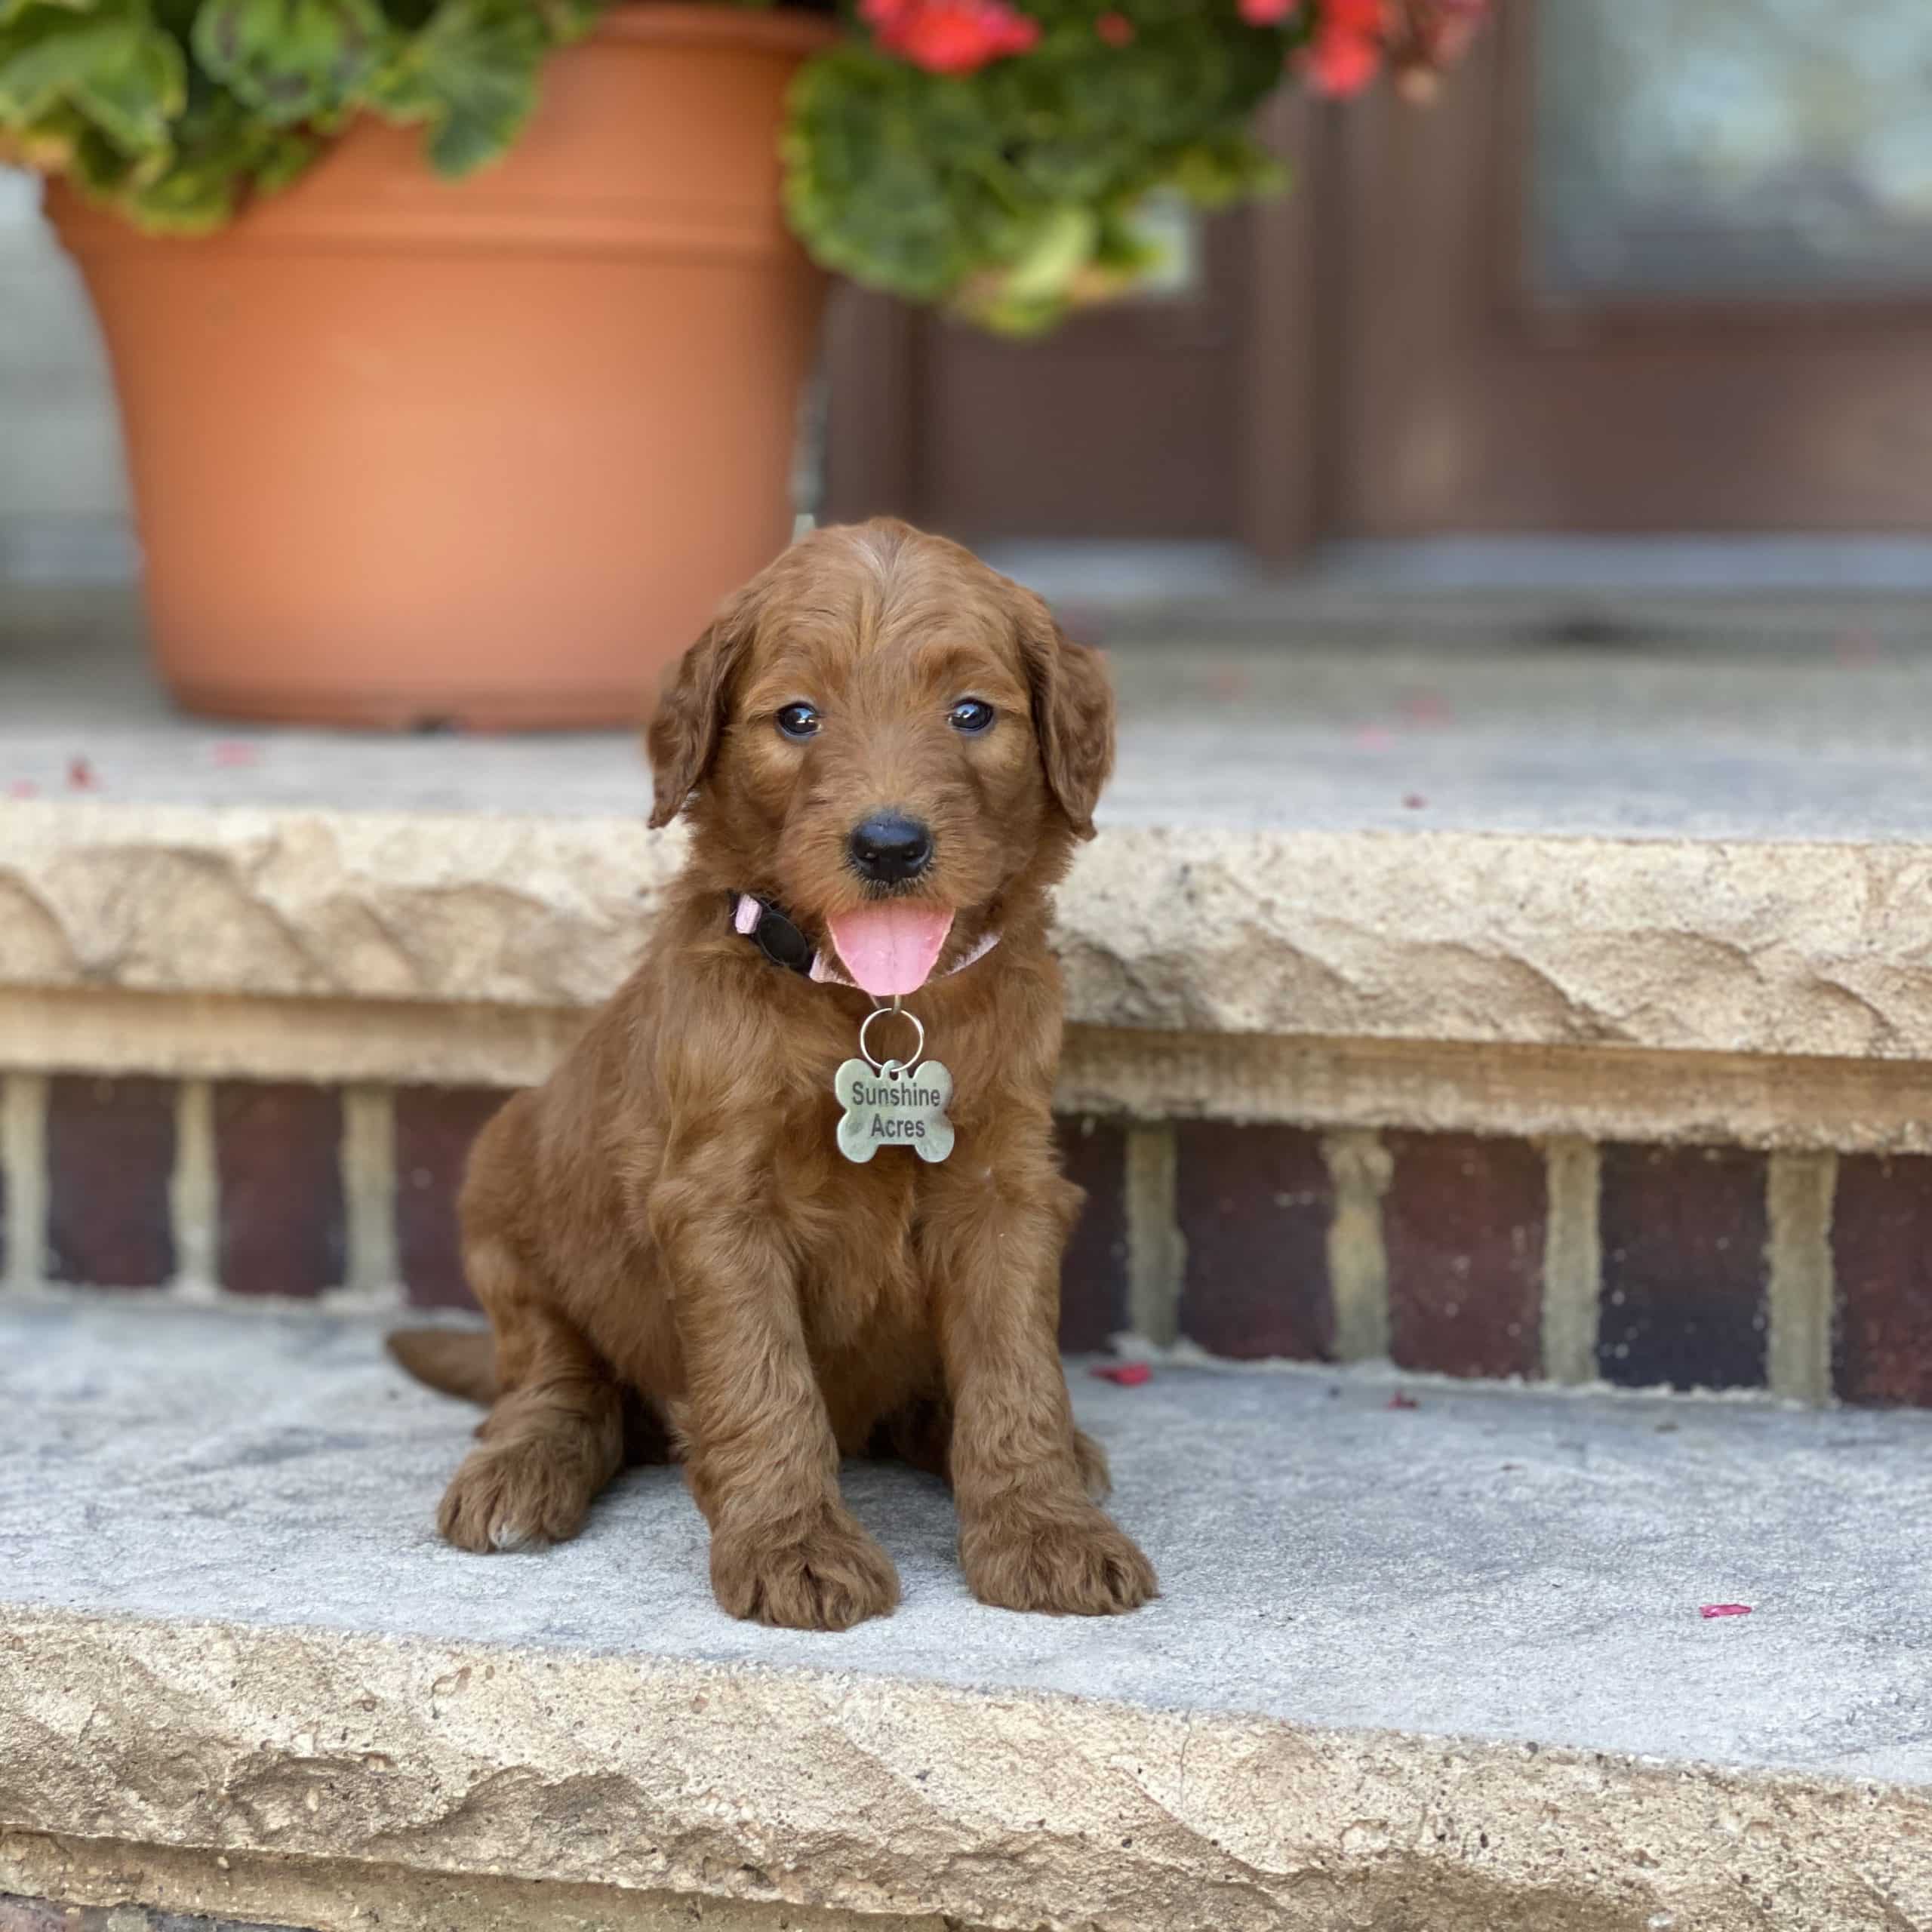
889, 948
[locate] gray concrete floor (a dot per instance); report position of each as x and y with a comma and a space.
1491, 1563
1817, 737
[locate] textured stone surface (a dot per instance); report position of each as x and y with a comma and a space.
339, 1895
1723, 945
1599, 1093
1441, 1668
110, 1158
1463, 1223
1684, 1268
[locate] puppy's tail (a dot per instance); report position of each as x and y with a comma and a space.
454, 1360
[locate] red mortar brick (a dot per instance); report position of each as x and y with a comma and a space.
1684, 1267
110, 1158
434, 1128
1254, 1203
283, 1223
1093, 1292
1462, 1224
1881, 1253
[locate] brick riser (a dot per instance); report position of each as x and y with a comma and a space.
1720, 1268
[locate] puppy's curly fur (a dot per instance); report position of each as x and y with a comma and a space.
675, 1257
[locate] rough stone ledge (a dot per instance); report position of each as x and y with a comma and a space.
1761, 946
1599, 1092
874, 1796
1439, 1666
885, 1798
213, 1891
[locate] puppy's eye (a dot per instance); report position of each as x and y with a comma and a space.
798, 721
971, 714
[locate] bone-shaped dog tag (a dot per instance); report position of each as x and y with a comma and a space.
893, 1106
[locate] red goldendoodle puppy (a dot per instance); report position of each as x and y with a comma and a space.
719, 1231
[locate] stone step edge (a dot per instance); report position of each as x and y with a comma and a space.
876, 1795
1691, 944
1763, 1100
64, 1883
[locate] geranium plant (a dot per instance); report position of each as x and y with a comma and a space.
985, 154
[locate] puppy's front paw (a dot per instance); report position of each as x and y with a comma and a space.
1067, 1559
829, 1576
515, 1495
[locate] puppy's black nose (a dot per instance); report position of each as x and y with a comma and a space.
889, 846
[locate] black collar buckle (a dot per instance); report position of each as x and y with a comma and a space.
781, 941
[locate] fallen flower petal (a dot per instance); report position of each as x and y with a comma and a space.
1414, 802
1401, 1401
1425, 709
80, 775
23, 788
233, 750
1709, 1609
1123, 1374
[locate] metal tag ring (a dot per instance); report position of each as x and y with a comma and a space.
865, 1027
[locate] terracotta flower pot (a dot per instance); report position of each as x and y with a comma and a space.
489, 452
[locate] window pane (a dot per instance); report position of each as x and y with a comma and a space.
1729, 147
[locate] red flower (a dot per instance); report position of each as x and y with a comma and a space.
1339, 63
1116, 29
1268, 13
950, 36
1344, 51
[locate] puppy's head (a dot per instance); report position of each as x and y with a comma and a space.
888, 739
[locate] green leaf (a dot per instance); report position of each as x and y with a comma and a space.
1063, 248
570, 19
49, 142
292, 60
223, 152
470, 73
120, 70
1003, 193
12, 10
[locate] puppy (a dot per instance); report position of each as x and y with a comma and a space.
884, 752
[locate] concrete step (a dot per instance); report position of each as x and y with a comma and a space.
1438, 1665
1503, 1008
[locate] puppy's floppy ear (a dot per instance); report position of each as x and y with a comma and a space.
683, 733
1073, 712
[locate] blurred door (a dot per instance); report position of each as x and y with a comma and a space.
1653, 265
1645, 264
1182, 413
